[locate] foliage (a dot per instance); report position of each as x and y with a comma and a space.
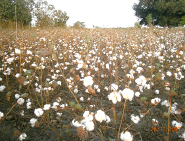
182, 22
60, 18
137, 25
164, 12
21, 8
79, 24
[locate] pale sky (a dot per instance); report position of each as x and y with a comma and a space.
103, 13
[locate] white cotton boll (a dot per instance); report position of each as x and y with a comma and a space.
126, 136
59, 114
2, 87
127, 94
47, 107
169, 73
155, 101
183, 135
75, 91
20, 101
38, 112
76, 123
17, 75
55, 105
89, 125
1, 115
88, 116
114, 87
156, 91
22, 136
176, 124
81, 99
115, 97
107, 119
17, 51
137, 94
17, 96
107, 66
28, 105
32, 122
88, 81
135, 119
100, 116
98, 90
141, 80
166, 103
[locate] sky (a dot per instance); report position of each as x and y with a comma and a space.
102, 13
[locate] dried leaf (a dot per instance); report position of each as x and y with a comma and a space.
172, 93
77, 77
80, 132
22, 80
25, 95
45, 53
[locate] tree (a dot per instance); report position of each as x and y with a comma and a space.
23, 12
60, 18
79, 24
43, 13
163, 12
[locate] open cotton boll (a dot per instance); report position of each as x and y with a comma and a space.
32, 122
1, 115
100, 116
176, 124
20, 101
22, 136
135, 119
114, 96
126, 136
127, 94
89, 125
88, 81
38, 112
47, 107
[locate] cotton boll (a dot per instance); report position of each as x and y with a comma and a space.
89, 125
127, 94
114, 96
100, 116
47, 107
137, 94
135, 119
156, 91
88, 81
1, 115
32, 122
88, 116
38, 112
20, 101
22, 136
176, 124
126, 136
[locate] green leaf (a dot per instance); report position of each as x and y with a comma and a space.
72, 104
78, 107
144, 98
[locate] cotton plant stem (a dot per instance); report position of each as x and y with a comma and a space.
113, 108
169, 121
122, 117
8, 112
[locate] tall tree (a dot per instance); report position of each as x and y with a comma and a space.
60, 18
163, 12
19, 9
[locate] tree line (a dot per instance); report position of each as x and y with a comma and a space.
170, 13
156, 12
25, 11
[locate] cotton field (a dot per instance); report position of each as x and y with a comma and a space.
93, 84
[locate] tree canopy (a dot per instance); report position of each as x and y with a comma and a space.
163, 12
24, 11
